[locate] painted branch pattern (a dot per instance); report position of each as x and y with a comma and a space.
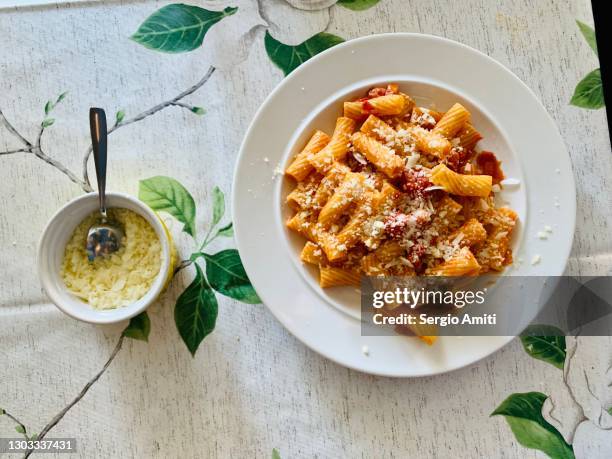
151, 111
19, 426
58, 417
37, 150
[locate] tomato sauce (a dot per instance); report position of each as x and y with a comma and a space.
488, 164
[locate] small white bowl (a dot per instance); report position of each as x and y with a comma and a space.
51, 252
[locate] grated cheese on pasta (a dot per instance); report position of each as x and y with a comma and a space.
397, 190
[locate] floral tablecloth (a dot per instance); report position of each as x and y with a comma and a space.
180, 104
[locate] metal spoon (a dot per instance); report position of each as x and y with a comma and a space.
104, 237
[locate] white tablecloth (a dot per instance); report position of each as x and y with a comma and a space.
251, 386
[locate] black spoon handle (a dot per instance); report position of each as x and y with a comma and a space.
97, 125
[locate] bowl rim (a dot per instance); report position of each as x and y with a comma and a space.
93, 315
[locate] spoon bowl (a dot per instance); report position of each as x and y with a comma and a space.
103, 238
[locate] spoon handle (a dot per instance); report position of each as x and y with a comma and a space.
97, 125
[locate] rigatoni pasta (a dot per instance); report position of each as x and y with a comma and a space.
460, 184
398, 190
452, 121
378, 154
337, 147
385, 105
301, 167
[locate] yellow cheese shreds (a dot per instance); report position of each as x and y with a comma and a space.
121, 278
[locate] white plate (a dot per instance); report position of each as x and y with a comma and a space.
440, 71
